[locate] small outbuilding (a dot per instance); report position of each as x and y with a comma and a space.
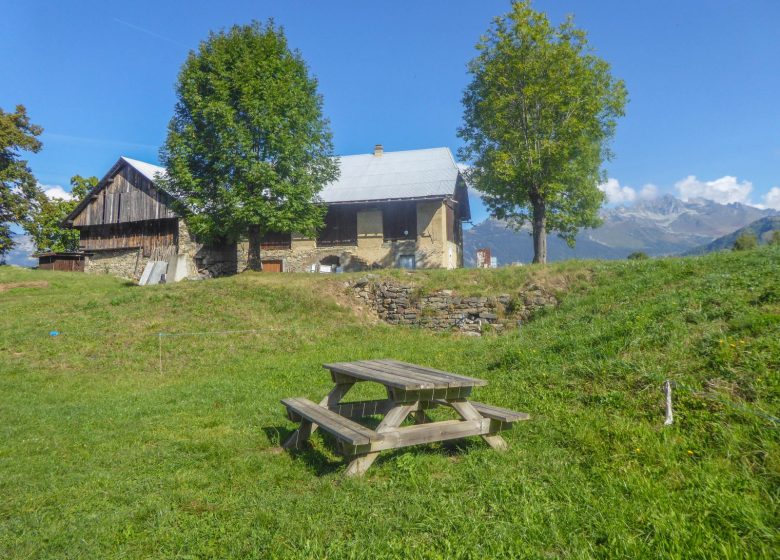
65, 261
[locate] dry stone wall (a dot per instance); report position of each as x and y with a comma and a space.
445, 310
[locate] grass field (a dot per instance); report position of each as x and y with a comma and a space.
105, 454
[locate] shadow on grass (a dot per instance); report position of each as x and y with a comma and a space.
321, 457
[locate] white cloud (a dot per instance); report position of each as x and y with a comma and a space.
771, 199
617, 194
56, 191
725, 190
648, 192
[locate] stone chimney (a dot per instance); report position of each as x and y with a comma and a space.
378, 150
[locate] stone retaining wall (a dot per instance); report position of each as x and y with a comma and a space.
445, 310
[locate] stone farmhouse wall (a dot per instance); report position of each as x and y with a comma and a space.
444, 310
431, 249
124, 263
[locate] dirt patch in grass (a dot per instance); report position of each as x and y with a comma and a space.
4, 287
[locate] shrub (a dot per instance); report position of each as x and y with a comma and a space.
746, 241
638, 256
774, 239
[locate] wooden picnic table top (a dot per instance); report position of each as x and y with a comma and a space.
402, 375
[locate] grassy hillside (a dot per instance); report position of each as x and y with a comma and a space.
104, 453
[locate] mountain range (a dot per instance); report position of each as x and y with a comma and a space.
662, 226
762, 229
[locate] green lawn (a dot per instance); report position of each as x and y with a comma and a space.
104, 455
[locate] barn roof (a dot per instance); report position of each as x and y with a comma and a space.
148, 170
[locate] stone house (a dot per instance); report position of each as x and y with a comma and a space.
387, 209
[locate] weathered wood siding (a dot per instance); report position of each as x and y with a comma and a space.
129, 197
157, 238
67, 263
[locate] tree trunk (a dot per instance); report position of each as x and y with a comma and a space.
539, 224
254, 261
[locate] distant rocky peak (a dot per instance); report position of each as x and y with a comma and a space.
666, 204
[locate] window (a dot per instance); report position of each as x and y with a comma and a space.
400, 221
273, 240
340, 227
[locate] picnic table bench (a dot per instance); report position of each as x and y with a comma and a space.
411, 389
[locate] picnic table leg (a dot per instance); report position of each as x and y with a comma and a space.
421, 418
394, 417
467, 411
307, 428
299, 436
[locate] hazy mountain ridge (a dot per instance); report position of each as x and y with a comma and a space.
662, 226
760, 228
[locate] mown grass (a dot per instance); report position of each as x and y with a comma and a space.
102, 454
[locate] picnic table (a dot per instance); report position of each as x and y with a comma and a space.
411, 390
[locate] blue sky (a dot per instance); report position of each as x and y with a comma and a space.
703, 79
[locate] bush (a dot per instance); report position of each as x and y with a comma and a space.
774, 239
638, 256
746, 241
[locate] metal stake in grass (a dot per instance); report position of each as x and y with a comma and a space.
668, 392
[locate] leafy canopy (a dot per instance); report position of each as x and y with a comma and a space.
19, 192
745, 242
538, 116
248, 144
45, 225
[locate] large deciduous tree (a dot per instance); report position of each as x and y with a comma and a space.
45, 225
248, 148
19, 192
538, 117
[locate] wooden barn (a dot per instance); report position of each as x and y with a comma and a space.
126, 210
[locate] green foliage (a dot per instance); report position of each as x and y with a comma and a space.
774, 238
248, 146
45, 224
19, 192
638, 256
745, 242
103, 455
538, 116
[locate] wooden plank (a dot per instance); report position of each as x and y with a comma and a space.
497, 413
430, 433
342, 428
388, 379
443, 394
361, 409
311, 410
439, 381
471, 381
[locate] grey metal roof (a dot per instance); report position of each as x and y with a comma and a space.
148, 170
366, 177
394, 175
